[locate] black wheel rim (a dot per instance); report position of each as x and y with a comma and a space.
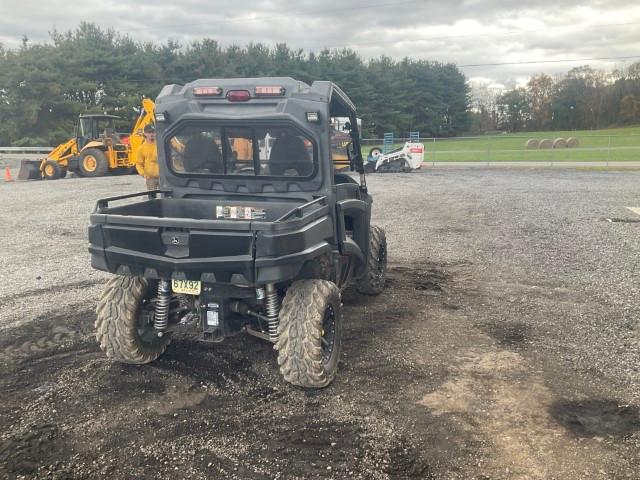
328, 333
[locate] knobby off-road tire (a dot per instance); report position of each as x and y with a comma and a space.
119, 330
372, 282
310, 333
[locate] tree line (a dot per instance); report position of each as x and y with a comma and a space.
43, 87
583, 99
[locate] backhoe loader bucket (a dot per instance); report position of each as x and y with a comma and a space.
29, 170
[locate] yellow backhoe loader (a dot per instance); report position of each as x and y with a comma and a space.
95, 149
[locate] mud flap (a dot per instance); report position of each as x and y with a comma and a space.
29, 170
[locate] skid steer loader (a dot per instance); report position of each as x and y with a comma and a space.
405, 159
95, 149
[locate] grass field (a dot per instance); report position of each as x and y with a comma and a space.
619, 144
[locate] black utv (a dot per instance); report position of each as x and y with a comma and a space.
253, 229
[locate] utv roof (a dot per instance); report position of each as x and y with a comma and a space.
319, 90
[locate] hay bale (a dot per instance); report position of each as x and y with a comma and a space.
573, 142
546, 143
559, 143
532, 144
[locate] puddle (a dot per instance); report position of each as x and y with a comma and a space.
596, 418
509, 333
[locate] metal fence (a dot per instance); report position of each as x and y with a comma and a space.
18, 150
595, 148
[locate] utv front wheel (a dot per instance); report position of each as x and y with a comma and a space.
310, 333
124, 326
372, 283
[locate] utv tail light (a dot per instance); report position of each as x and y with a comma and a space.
207, 91
270, 91
238, 95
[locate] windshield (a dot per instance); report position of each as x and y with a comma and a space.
95, 127
248, 150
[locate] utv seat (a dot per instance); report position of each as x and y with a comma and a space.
111, 136
202, 155
289, 153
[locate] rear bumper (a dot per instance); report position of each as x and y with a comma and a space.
234, 256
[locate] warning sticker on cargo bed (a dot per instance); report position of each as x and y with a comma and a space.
240, 213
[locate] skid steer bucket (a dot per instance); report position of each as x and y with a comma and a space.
29, 170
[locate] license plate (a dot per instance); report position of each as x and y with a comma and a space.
190, 287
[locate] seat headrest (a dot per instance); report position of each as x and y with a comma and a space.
289, 153
202, 153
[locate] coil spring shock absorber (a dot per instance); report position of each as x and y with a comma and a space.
272, 306
161, 313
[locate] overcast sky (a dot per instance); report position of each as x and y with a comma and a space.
465, 32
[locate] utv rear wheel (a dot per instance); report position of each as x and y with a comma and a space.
124, 326
310, 333
372, 283
93, 163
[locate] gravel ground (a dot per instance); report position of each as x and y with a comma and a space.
505, 346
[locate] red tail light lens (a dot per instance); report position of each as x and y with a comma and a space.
207, 91
270, 91
238, 95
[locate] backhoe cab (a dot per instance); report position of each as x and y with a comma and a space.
253, 230
99, 147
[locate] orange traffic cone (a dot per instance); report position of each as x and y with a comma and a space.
7, 175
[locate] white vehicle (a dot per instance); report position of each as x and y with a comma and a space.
405, 159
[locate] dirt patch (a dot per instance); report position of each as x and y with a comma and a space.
46, 335
508, 333
422, 277
515, 404
212, 410
600, 418
29, 451
53, 290
421, 393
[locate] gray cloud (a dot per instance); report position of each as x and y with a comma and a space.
460, 31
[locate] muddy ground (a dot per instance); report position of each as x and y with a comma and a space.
505, 346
